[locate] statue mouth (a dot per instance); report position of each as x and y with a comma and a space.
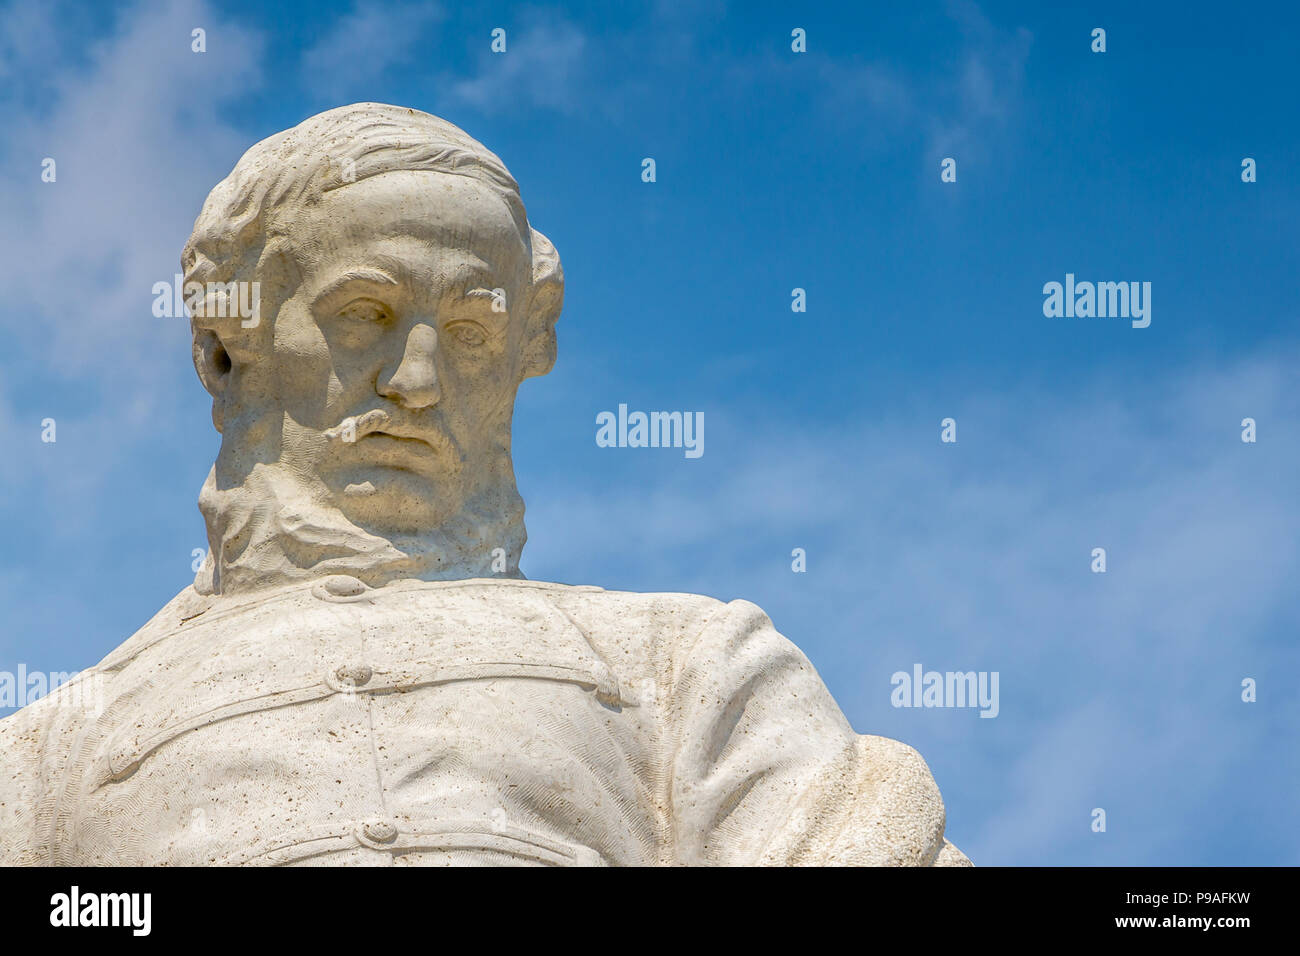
385, 441
400, 444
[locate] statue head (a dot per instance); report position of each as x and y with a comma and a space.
399, 298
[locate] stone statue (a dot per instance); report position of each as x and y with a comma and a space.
360, 674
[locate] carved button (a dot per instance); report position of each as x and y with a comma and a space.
379, 831
354, 675
342, 586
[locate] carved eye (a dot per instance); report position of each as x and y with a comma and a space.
467, 333
364, 310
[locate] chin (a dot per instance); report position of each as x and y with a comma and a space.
398, 501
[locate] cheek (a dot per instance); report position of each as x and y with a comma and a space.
475, 377
303, 369
477, 397
298, 339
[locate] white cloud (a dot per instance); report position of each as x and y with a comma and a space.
981, 97
137, 138
135, 126
362, 45
543, 66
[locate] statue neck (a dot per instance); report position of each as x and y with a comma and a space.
268, 532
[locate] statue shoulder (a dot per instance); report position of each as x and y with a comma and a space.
646, 635
637, 618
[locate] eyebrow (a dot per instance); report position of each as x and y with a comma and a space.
472, 276
498, 320
474, 279
375, 277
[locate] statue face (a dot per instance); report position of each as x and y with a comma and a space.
396, 356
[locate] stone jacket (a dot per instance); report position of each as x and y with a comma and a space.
467, 722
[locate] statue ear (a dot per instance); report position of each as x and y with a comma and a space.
544, 305
212, 362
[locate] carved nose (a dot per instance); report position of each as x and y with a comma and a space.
415, 381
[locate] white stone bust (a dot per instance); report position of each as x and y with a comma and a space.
409, 297
359, 674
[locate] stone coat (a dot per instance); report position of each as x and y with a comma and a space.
466, 722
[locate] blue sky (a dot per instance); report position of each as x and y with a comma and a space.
775, 170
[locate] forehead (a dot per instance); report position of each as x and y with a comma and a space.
430, 218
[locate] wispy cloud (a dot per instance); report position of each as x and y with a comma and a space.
542, 66
958, 106
138, 137
978, 100
135, 132
365, 44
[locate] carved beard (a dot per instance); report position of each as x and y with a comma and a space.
273, 529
